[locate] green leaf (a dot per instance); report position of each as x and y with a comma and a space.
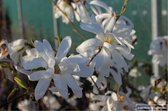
12, 94
20, 83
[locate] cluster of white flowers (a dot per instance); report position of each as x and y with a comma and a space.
99, 57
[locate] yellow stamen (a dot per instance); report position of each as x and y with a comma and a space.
120, 98
108, 39
57, 69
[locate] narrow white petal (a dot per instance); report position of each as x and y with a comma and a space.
63, 48
110, 24
125, 53
61, 85
84, 15
89, 44
34, 64
41, 88
91, 27
40, 75
22, 70
117, 77
47, 47
72, 83
100, 4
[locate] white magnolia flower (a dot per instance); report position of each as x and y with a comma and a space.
134, 72
159, 50
81, 12
112, 102
121, 27
106, 51
63, 8
27, 105
59, 68
15, 50
70, 8
108, 19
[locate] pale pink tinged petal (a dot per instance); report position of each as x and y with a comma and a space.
40, 75
63, 48
89, 44
35, 63
72, 83
117, 77
61, 85
100, 4
41, 88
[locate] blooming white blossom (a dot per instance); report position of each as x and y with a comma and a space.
106, 51
15, 49
70, 9
121, 27
112, 102
63, 8
159, 50
59, 68
27, 105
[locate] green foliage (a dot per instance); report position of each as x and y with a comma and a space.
20, 83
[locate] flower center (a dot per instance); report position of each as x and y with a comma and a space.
108, 39
57, 69
120, 98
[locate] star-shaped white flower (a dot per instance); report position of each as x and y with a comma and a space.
159, 50
15, 49
49, 67
121, 27
106, 51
